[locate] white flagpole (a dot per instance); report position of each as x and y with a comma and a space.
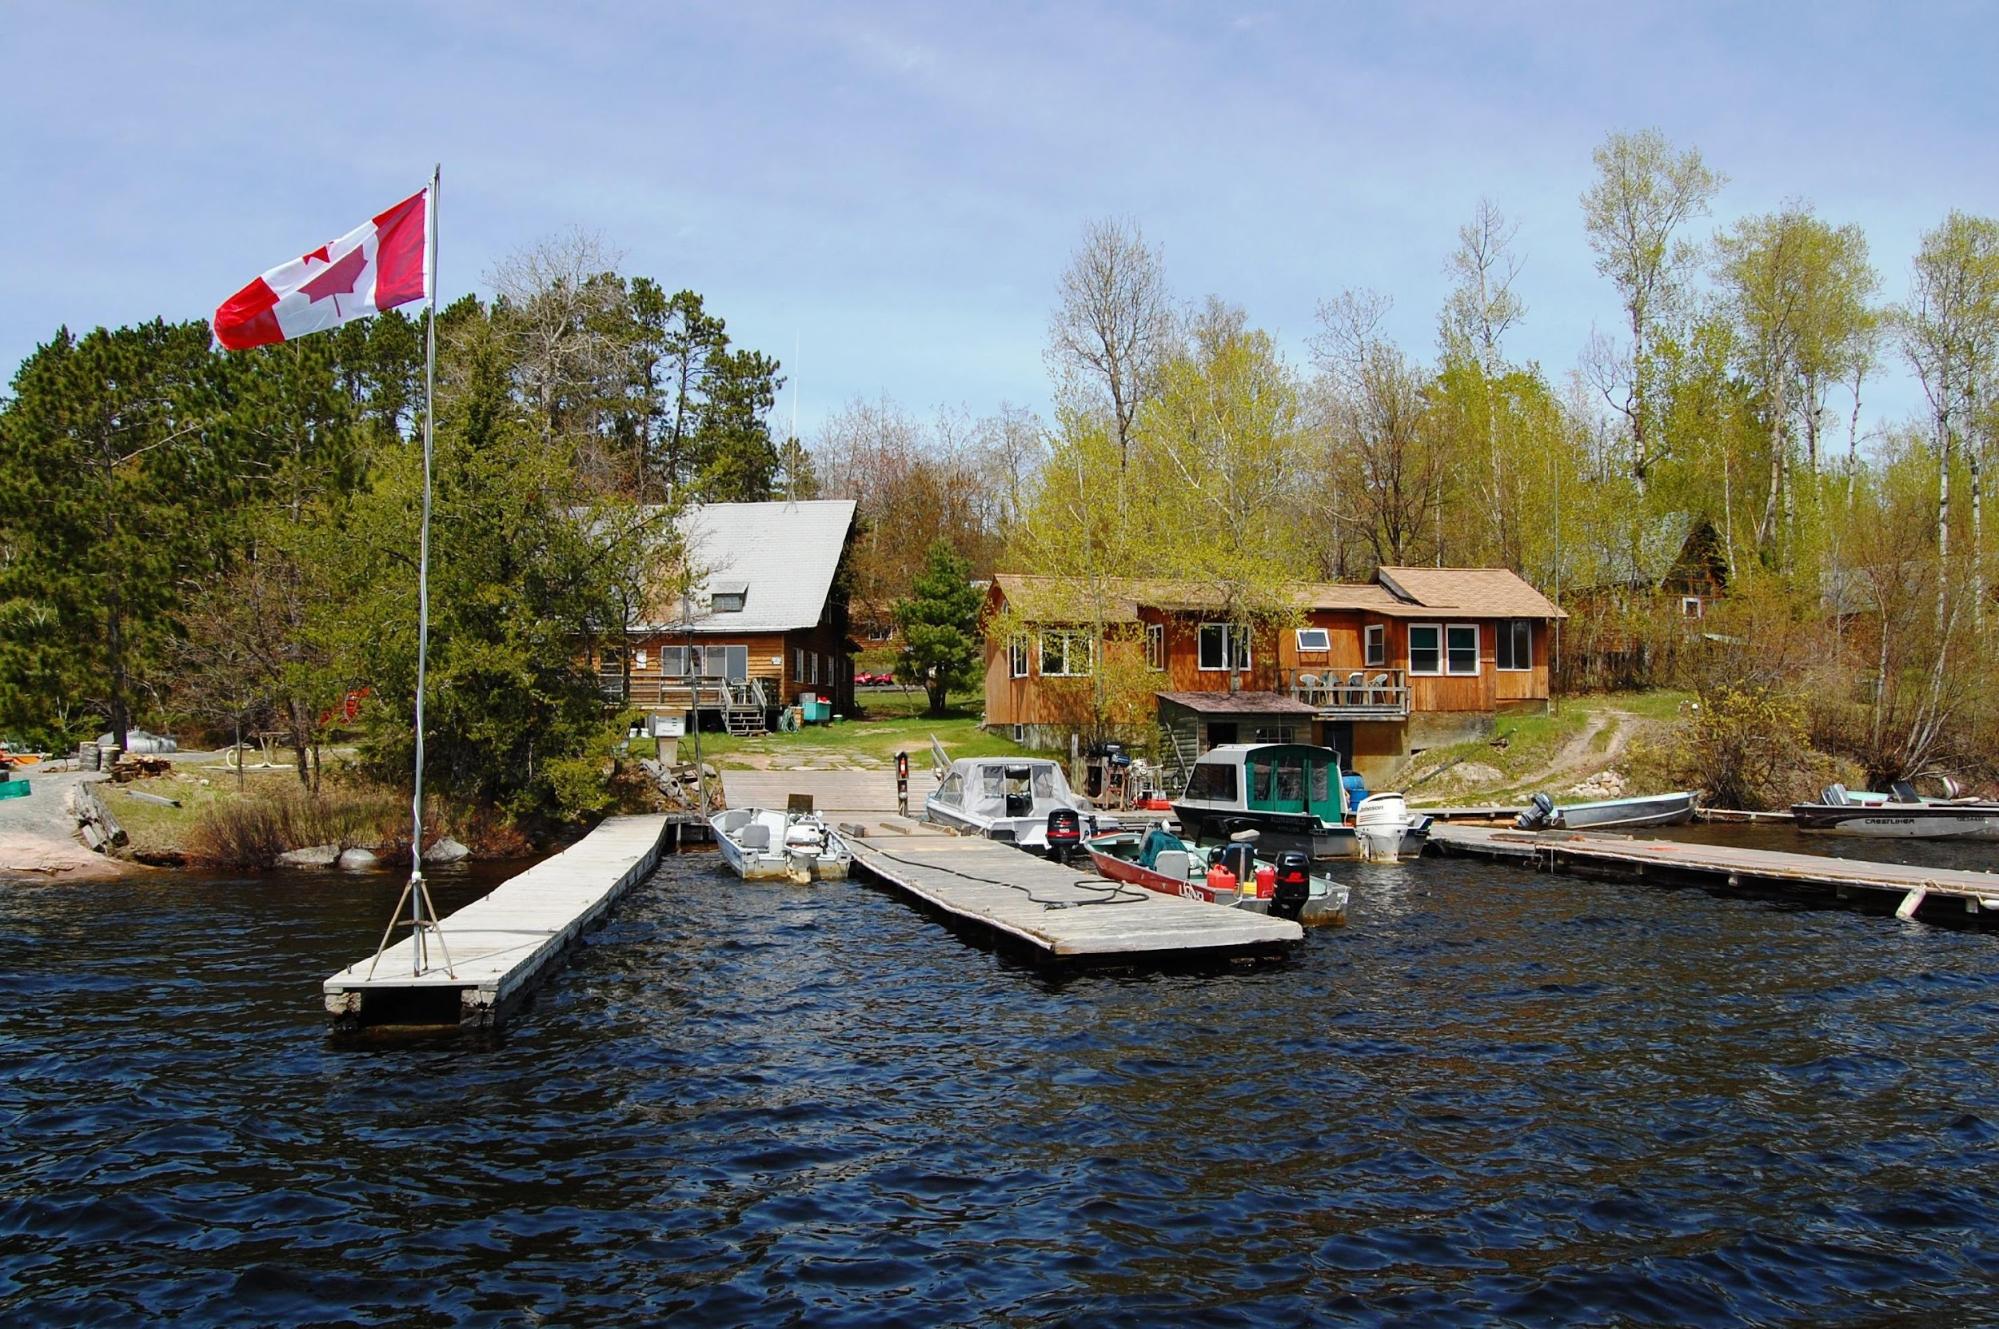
419, 895
422, 915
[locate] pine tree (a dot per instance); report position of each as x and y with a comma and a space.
940, 627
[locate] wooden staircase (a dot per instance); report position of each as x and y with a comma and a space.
745, 718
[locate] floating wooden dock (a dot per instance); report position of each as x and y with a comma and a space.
1004, 894
501, 945
1623, 858
1060, 914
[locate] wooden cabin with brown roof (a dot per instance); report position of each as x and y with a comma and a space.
1417, 658
766, 621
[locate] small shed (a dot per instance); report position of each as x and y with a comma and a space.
1190, 723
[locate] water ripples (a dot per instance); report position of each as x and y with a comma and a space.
1496, 1098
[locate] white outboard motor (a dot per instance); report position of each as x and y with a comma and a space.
804, 842
1380, 822
1538, 816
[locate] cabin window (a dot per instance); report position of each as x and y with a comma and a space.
611, 674
1016, 657
1376, 638
992, 781
1322, 783
798, 664
1065, 654
730, 662
1516, 643
1020, 733
727, 602
1461, 648
952, 791
673, 661
812, 666
1690, 606
1155, 645
1212, 781
1223, 646
1314, 639
1426, 648
1273, 733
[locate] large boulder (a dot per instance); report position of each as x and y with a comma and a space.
315, 856
359, 860
446, 850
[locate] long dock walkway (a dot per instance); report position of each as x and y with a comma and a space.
1059, 913
503, 943
1003, 893
1624, 858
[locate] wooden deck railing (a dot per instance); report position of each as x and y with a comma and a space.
1351, 694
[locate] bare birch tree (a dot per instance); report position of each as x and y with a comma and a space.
1113, 327
1644, 192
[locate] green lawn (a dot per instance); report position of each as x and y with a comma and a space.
892, 721
1523, 747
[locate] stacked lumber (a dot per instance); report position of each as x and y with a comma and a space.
94, 822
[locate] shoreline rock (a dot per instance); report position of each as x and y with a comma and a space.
315, 856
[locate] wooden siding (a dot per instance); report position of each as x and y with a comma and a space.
1275, 657
771, 658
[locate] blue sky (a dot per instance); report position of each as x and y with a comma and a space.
893, 189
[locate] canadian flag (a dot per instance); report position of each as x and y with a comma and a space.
379, 265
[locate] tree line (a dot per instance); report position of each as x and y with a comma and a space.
194, 539
1727, 396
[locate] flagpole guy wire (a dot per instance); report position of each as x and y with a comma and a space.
423, 914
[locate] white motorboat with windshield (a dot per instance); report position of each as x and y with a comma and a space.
1009, 798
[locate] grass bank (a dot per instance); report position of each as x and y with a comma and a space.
891, 720
1613, 741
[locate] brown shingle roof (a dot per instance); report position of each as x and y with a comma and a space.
1400, 593
1485, 592
1238, 703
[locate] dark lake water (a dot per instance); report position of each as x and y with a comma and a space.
1496, 1098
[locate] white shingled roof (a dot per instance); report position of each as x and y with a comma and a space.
781, 556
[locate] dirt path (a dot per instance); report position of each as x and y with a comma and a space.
38, 834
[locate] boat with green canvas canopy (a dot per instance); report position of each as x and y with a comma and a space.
1290, 793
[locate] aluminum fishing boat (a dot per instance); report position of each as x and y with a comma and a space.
1161, 861
1610, 814
1903, 816
768, 844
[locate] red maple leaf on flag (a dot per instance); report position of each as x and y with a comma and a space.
338, 278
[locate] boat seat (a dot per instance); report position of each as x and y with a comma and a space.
1175, 863
756, 835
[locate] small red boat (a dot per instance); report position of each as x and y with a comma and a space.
1162, 862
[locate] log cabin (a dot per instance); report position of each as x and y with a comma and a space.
765, 622
1417, 658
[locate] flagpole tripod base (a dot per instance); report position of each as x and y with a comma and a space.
423, 924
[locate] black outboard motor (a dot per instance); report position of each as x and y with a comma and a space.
1539, 815
1294, 884
1065, 834
1240, 858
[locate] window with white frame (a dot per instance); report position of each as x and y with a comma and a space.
1223, 646
1155, 645
1426, 648
1516, 644
1016, 657
673, 661
1461, 648
1314, 639
730, 662
1375, 639
798, 664
1020, 733
1690, 606
1065, 654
